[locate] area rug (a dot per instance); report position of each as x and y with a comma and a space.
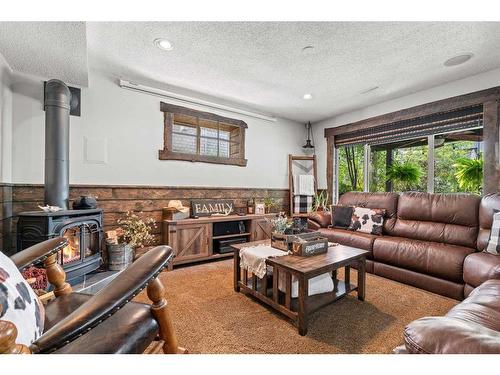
209, 317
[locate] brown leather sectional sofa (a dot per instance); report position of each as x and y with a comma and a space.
431, 241
471, 327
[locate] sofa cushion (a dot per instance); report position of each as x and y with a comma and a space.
386, 201
479, 267
447, 218
18, 303
341, 216
493, 246
349, 238
431, 258
472, 326
487, 208
367, 220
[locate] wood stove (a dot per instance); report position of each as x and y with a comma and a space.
82, 228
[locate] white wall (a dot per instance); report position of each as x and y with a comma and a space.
467, 85
133, 126
5, 122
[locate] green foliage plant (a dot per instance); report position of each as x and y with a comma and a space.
405, 174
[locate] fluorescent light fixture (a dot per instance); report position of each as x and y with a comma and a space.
191, 100
307, 96
163, 44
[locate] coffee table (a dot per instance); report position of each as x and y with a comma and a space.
304, 268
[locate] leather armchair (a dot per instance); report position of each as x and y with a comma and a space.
107, 322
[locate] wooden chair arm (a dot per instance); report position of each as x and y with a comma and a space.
106, 302
8, 335
38, 253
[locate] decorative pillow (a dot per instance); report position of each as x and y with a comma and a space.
367, 220
19, 303
493, 246
341, 216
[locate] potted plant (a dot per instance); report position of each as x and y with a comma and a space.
133, 233
280, 224
320, 202
269, 204
407, 175
469, 174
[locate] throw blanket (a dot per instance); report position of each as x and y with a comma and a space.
304, 184
253, 258
302, 204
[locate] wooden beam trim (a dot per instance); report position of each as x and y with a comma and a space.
167, 155
444, 105
165, 107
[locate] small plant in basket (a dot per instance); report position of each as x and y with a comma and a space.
135, 231
281, 223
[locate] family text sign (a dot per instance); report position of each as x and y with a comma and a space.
208, 207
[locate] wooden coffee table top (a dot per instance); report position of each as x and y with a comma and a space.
336, 257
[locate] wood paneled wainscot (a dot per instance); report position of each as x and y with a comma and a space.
192, 240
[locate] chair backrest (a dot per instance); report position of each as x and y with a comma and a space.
447, 218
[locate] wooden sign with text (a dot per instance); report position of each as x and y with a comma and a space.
208, 207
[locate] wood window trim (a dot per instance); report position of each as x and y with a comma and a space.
167, 153
444, 105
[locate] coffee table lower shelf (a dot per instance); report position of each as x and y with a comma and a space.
314, 302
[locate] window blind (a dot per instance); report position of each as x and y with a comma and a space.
465, 118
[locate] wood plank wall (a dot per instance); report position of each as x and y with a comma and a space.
6, 218
117, 200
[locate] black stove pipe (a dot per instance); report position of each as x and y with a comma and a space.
57, 108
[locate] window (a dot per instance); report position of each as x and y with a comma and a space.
453, 165
350, 168
399, 166
202, 137
458, 162
438, 153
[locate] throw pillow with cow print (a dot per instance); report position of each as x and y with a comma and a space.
367, 220
19, 303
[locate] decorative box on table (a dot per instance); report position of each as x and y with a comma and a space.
304, 244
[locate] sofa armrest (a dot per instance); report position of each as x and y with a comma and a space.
107, 301
38, 253
319, 219
479, 267
447, 335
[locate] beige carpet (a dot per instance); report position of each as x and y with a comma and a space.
209, 317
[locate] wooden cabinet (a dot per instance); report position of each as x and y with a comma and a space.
189, 242
261, 229
192, 239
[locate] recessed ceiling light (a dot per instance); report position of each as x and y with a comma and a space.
369, 90
457, 60
163, 44
307, 96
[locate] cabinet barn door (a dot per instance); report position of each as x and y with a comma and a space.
191, 241
261, 230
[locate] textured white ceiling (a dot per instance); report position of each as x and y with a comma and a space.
261, 65
46, 49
